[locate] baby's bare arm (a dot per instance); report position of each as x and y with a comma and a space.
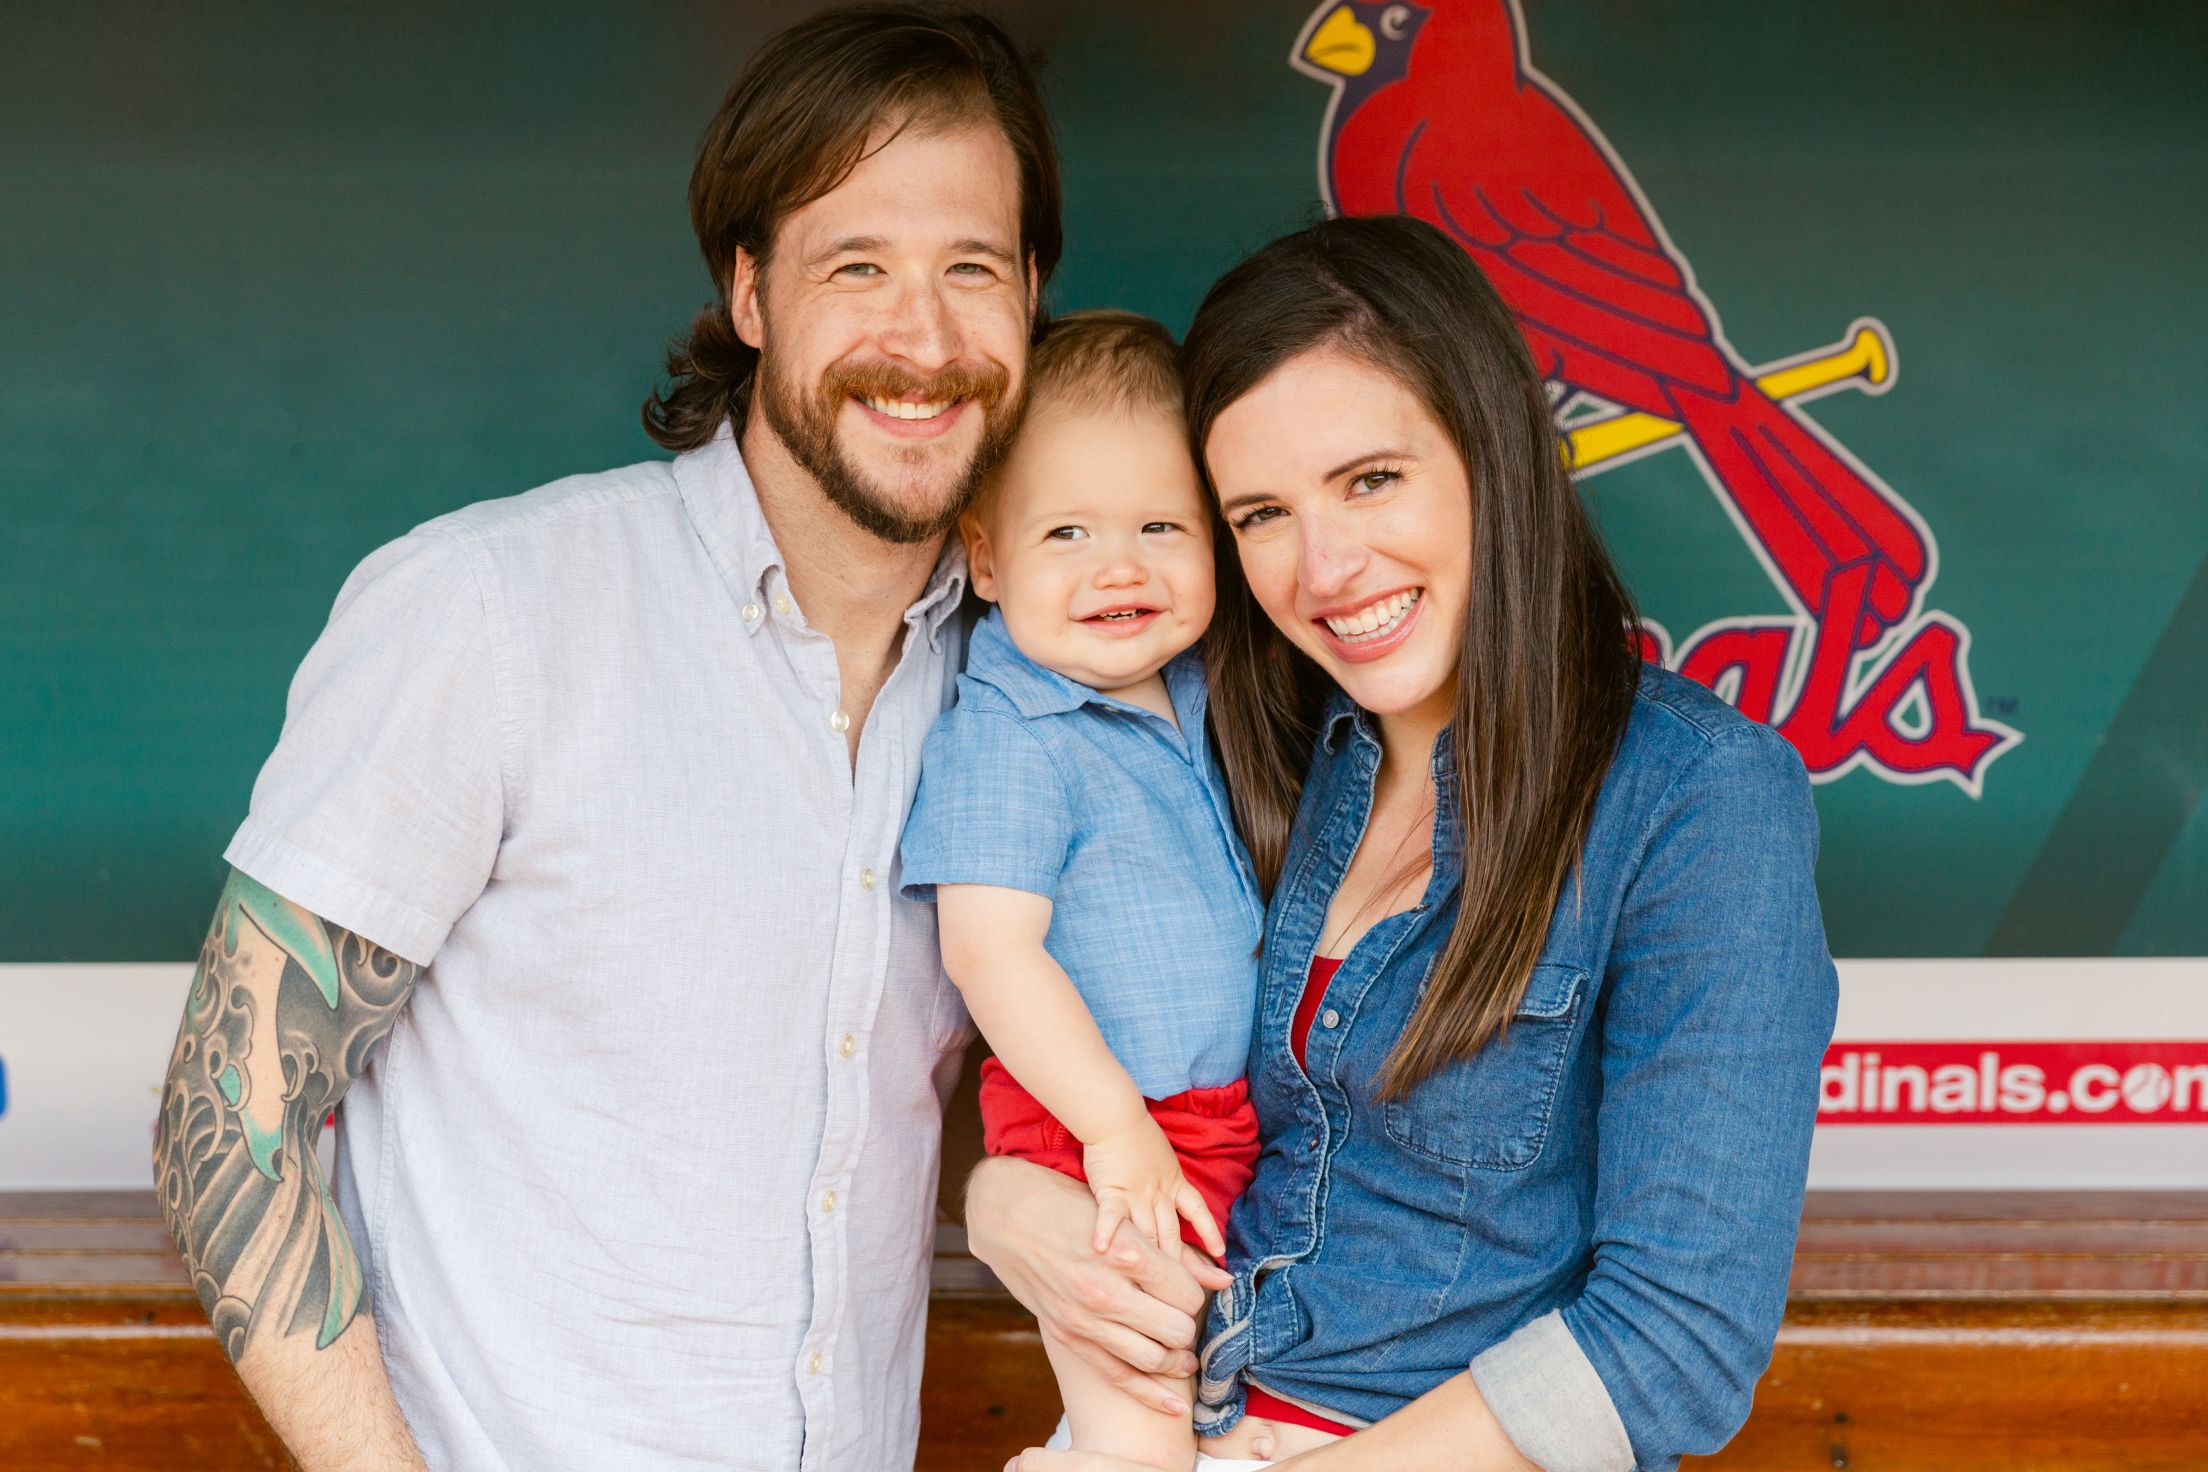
1026, 1006
1031, 1014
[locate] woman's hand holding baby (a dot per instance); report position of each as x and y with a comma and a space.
1137, 1179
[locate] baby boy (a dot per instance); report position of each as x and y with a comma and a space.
1097, 909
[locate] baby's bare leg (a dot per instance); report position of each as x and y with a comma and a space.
1105, 1418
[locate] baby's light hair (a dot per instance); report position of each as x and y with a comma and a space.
1106, 357
1102, 358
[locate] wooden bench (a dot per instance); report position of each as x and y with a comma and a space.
1939, 1331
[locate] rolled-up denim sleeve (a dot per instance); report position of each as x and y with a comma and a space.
1718, 1005
1551, 1400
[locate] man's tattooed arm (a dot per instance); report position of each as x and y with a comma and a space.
282, 1014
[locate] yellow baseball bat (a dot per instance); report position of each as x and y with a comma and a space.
1866, 357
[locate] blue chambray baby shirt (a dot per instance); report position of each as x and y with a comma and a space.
1038, 783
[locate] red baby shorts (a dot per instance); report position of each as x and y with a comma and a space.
1212, 1131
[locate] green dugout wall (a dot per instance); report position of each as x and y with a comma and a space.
275, 286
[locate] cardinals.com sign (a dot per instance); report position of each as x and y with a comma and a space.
1439, 112
2111, 1082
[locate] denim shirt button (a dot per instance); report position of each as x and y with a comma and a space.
1330, 1018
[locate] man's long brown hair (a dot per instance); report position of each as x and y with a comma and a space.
792, 128
1547, 666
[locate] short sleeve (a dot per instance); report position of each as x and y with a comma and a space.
992, 808
382, 806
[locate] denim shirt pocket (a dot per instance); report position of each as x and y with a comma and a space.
1491, 1111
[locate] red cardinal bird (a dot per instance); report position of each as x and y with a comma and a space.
1439, 116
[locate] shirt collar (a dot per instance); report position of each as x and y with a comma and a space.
945, 592
1344, 719
1341, 717
1036, 690
723, 505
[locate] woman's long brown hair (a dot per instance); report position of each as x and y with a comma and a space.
1547, 665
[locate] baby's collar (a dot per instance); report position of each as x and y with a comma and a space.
1036, 690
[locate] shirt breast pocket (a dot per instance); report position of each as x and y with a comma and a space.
1491, 1111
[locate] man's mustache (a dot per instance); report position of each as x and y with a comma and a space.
985, 384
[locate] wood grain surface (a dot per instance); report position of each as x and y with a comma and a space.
1952, 1331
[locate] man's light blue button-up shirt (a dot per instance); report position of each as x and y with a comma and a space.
643, 1176
1118, 817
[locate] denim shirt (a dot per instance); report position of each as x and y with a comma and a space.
1120, 818
1595, 1213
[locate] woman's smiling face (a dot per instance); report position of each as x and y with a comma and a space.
1351, 511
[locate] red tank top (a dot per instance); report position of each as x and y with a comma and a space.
1314, 987
1259, 1401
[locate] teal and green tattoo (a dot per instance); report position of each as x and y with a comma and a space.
282, 1014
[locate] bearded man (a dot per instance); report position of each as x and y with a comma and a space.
573, 873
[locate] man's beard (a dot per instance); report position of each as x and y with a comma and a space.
806, 425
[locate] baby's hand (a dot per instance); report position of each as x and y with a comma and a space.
1136, 1178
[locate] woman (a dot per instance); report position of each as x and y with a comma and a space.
1545, 985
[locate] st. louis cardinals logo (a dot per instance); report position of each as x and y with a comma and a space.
1438, 113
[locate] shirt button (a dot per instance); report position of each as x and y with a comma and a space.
839, 723
1331, 1018
781, 603
751, 613
848, 1046
827, 1202
866, 879
812, 1366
